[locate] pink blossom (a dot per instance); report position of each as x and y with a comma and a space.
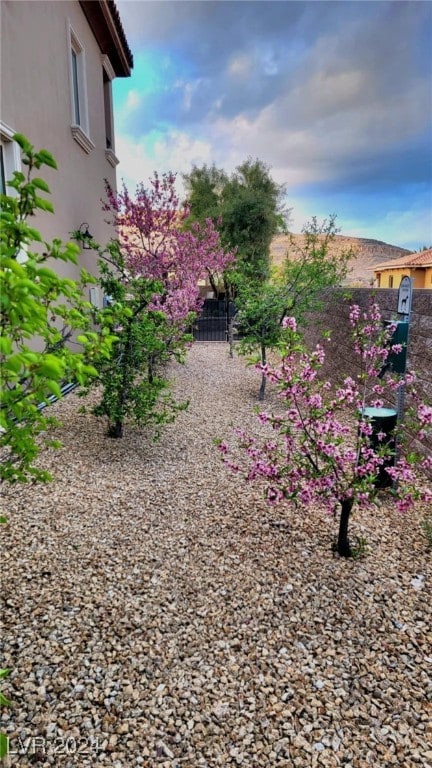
289, 322
425, 414
320, 456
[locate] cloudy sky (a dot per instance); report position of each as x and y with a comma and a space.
336, 97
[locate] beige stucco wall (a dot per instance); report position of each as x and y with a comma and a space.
419, 275
36, 101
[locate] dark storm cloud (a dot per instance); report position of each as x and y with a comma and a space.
331, 95
241, 55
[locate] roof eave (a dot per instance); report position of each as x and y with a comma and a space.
104, 21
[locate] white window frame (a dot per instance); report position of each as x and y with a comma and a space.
11, 163
11, 155
78, 92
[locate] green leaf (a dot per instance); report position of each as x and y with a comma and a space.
46, 157
23, 142
44, 205
13, 364
4, 745
5, 345
40, 184
52, 367
54, 388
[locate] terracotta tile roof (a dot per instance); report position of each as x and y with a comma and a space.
422, 259
121, 33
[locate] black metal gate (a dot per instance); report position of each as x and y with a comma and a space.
212, 323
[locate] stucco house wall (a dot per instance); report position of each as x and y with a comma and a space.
37, 100
391, 277
418, 266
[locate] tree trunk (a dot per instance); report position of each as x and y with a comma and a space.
263, 377
231, 337
116, 430
150, 374
343, 546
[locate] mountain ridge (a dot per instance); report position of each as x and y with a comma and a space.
367, 253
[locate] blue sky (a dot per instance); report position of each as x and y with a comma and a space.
335, 97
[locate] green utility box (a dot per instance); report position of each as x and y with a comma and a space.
397, 360
383, 420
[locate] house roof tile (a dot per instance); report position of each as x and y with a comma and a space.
105, 23
422, 259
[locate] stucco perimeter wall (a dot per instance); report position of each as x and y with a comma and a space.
340, 358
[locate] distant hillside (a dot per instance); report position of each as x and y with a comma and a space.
367, 254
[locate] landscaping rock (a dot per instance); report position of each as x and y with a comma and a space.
156, 612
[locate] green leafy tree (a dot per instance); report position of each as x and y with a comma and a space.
46, 335
204, 191
294, 290
248, 210
131, 378
151, 274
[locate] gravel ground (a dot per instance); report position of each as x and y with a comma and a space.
158, 613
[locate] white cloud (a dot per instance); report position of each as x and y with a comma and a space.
319, 130
240, 66
134, 100
175, 152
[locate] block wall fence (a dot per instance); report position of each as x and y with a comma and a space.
334, 316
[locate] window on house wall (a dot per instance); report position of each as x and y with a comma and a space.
2, 172
108, 76
76, 90
108, 111
390, 281
78, 86
10, 161
10, 158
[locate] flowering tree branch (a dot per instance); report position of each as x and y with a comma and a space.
326, 449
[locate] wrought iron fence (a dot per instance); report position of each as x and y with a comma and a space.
212, 323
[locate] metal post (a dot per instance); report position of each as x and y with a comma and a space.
404, 310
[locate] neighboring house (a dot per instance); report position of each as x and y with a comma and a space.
389, 274
58, 60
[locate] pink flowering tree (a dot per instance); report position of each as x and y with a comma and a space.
156, 245
325, 449
150, 275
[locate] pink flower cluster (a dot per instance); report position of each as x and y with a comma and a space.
157, 246
320, 453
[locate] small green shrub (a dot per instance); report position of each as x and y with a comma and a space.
46, 335
427, 529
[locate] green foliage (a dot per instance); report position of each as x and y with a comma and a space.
4, 702
204, 188
359, 548
427, 529
132, 384
309, 268
247, 208
294, 290
40, 314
